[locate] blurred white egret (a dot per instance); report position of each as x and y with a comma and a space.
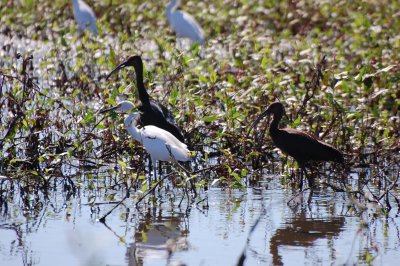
159, 143
84, 16
184, 24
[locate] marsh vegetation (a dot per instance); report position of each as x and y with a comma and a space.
334, 66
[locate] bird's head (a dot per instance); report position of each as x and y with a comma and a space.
123, 107
135, 61
275, 108
131, 119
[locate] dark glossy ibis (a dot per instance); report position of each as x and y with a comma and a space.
302, 146
152, 112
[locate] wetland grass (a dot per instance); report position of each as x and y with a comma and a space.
49, 106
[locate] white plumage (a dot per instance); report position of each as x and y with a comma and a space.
124, 107
184, 24
84, 16
159, 143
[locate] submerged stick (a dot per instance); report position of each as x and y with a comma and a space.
242, 257
103, 219
152, 189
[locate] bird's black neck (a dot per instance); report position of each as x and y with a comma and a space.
274, 126
143, 95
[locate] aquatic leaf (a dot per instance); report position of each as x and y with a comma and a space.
236, 176
238, 62
111, 101
375, 111
173, 97
63, 41
25, 123
144, 236
202, 78
231, 79
239, 185
16, 160
91, 186
100, 126
112, 58
368, 257
122, 164
210, 118
144, 187
88, 118
213, 77
264, 63
243, 172
296, 122
122, 238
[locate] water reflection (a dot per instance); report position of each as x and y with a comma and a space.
303, 231
157, 237
327, 231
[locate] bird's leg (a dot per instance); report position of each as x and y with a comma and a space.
154, 163
160, 167
310, 180
301, 179
183, 168
150, 165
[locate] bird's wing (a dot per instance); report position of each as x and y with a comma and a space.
156, 114
177, 153
159, 107
153, 132
304, 146
172, 126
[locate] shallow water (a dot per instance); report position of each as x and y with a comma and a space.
67, 231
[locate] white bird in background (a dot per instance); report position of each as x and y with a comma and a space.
184, 24
84, 16
159, 143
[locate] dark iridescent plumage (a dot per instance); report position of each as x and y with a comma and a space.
152, 112
302, 146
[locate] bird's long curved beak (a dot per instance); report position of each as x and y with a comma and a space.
258, 119
121, 66
108, 109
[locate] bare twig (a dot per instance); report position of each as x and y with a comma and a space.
152, 189
242, 257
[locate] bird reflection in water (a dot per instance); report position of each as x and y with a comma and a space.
302, 231
157, 239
